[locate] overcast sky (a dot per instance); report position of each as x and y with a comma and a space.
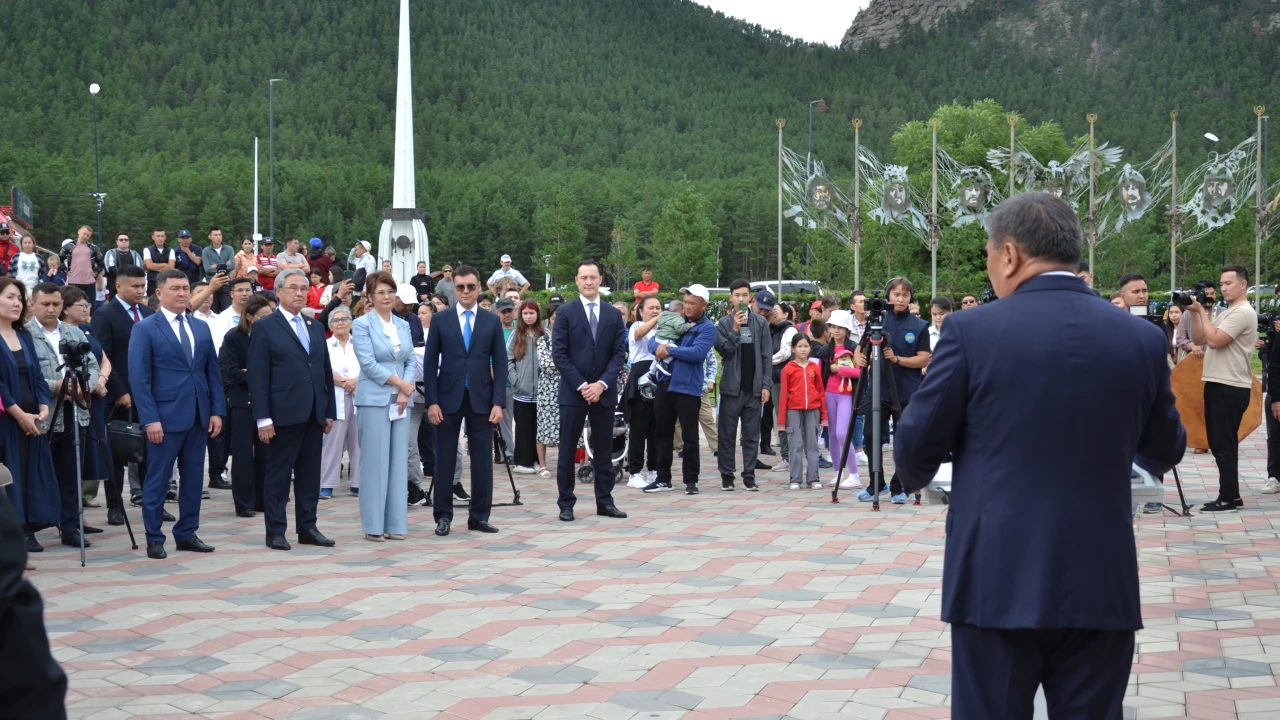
813, 20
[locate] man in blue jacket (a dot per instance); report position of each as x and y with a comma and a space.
680, 397
1045, 399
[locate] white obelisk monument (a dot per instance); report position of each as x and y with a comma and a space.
403, 239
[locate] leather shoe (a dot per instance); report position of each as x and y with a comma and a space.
219, 484
314, 537
566, 515
168, 517
115, 516
442, 527
277, 542
460, 492
246, 513
194, 544
72, 539
90, 530
480, 525
610, 511
33, 545
155, 551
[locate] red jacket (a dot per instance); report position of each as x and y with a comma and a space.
801, 390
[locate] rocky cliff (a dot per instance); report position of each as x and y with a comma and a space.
884, 21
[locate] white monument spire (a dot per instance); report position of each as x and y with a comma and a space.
403, 239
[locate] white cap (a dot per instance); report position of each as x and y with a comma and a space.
366, 245
252, 268
841, 318
697, 290
505, 258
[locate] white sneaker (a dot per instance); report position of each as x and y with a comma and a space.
815, 485
653, 476
523, 470
794, 486
850, 483
1271, 486
638, 480
862, 457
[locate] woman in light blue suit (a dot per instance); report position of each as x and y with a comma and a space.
384, 350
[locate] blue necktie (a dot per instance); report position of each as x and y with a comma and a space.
466, 342
184, 339
302, 333
592, 319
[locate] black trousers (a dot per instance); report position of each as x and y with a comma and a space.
1273, 439
995, 673
768, 416
248, 460
895, 485
641, 450
64, 467
480, 450
32, 684
427, 446
1224, 407
669, 407
526, 418
572, 419
220, 447
294, 460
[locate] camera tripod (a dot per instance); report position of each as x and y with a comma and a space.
1182, 498
501, 446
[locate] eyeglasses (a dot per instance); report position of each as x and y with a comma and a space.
293, 288
469, 287
344, 318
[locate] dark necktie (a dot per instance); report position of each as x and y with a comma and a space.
185, 339
136, 318
591, 319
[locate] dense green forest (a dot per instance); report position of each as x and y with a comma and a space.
597, 124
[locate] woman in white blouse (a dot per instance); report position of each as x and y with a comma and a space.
346, 371
384, 349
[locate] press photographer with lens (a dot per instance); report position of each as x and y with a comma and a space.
1230, 338
1208, 293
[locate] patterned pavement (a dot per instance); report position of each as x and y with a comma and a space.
764, 605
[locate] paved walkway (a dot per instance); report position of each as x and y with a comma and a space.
775, 604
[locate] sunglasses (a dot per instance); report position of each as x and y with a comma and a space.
4, 232
968, 302
469, 287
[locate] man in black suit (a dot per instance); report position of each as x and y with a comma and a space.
464, 379
113, 325
589, 347
1040, 576
291, 392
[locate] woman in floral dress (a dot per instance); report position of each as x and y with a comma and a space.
548, 392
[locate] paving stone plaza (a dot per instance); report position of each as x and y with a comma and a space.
764, 605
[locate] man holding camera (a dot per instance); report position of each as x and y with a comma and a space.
218, 259
1182, 336
1230, 338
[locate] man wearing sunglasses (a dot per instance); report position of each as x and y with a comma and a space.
8, 248
968, 301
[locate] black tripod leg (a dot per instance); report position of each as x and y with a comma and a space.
1186, 509
499, 443
855, 410
430, 489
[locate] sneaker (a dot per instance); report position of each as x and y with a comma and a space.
652, 475
862, 457
135, 500
850, 483
523, 470
750, 485
637, 481
204, 494
783, 466
865, 496
1271, 486
326, 493
657, 486
899, 499
691, 489
727, 485
794, 486
1225, 506
1151, 508
815, 485
355, 491
824, 463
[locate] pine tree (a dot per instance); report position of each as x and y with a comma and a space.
685, 245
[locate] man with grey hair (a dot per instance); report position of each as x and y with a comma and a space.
1040, 577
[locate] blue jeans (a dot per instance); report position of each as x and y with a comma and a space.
859, 442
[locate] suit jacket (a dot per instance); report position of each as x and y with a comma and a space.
379, 359
113, 325
582, 359
233, 362
447, 364
1045, 398
287, 384
165, 382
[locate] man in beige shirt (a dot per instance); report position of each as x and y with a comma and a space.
1230, 339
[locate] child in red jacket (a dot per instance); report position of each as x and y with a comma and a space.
802, 408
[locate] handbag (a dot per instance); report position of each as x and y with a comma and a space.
128, 439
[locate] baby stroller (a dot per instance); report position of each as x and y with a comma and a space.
583, 456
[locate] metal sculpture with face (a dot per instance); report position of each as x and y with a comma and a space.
819, 195
974, 197
897, 199
1216, 192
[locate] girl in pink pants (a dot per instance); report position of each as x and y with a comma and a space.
840, 385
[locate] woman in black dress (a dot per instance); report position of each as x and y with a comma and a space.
248, 454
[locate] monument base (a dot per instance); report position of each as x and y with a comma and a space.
403, 241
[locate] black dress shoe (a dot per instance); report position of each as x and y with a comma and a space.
763, 465
155, 551
219, 484
460, 492
171, 496
314, 537
90, 530
72, 539
194, 544
246, 513
767, 450
115, 516
277, 542
442, 526
566, 515
480, 525
610, 511
168, 517
33, 545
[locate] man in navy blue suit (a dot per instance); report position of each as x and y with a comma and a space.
177, 390
588, 347
1045, 398
291, 393
464, 379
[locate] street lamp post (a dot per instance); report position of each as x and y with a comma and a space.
94, 88
271, 153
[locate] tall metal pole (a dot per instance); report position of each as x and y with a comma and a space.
271, 156
781, 124
1013, 123
808, 160
934, 234
857, 202
97, 176
1175, 228
1259, 214
1093, 209
257, 236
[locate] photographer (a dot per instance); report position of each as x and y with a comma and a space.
1230, 338
218, 259
1267, 352
1182, 337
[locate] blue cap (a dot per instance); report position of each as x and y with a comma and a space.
317, 242
184, 233
765, 300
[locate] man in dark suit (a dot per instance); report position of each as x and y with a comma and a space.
1045, 398
291, 392
113, 325
464, 379
589, 347
177, 388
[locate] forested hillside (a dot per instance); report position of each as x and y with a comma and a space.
521, 104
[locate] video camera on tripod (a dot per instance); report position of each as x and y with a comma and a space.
73, 361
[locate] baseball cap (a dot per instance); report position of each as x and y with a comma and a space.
697, 290
506, 258
366, 245
184, 233
556, 300
268, 241
4, 226
765, 300
504, 304
252, 269
817, 305
317, 242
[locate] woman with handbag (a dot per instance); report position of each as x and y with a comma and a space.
248, 453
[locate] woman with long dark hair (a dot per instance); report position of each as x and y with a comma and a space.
522, 370
548, 395
248, 453
1172, 318
642, 420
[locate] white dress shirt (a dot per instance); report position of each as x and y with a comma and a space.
344, 362
179, 328
54, 337
462, 320
288, 318
221, 324
590, 306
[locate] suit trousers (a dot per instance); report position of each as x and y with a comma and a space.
572, 419
427, 447
448, 460
220, 449
384, 471
1273, 439
187, 448
742, 408
64, 468
248, 460
995, 673
707, 419
344, 435
294, 461
415, 413
1224, 407
672, 406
